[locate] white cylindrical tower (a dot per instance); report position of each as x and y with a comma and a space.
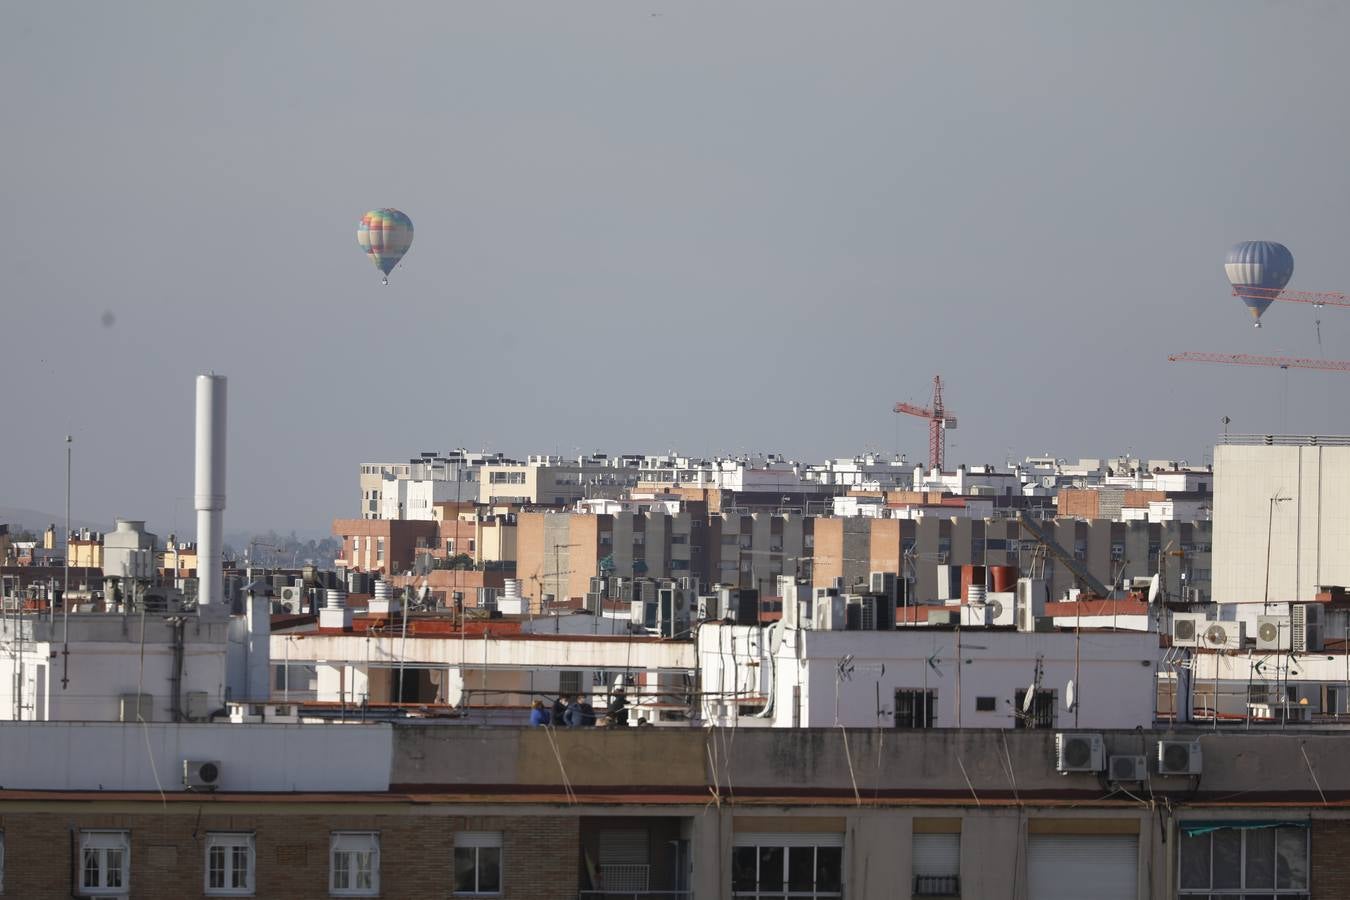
209, 493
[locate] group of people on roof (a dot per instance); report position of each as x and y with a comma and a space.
577, 712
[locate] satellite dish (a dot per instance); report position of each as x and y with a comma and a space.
1029, 698
1154, 588
1070, 696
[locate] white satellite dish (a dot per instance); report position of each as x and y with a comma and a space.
1154, 588
1029, 698
1070, 696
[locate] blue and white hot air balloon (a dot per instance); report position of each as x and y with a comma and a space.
1258, 270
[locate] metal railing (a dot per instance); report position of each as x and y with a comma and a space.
635, 895
1285, 440
937, 885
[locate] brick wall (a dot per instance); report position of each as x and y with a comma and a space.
540, 854
1330, 853
1077, 504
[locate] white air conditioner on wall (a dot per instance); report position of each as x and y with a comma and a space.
1187, 629
1222, 635
1079, 752
1272, 632
1179, 757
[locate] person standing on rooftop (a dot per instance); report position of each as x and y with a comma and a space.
539, 715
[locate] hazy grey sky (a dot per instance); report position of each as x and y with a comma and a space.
649, 225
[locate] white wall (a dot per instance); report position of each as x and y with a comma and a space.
106, 659
1115, 673
116, 757
1307, 535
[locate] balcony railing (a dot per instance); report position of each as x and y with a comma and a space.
937, 885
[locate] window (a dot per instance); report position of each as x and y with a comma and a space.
478, 862
914, 708
986, 704
229, 863
1253, 860
449, 545
1041, 714
569, 683
937, 864
770, 865
105, 861
379, 549
355, 864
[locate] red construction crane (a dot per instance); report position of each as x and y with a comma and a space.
1316, 298
1278, 362
938, 421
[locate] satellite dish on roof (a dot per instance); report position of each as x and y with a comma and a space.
1154, 588
1029, 698
1070, 696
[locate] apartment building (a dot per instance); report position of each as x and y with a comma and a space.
381, 480
558, 553
851, 548
427, 811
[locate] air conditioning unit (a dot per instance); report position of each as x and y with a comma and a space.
198, 706
708, 607
597, 585
1222, 635
643, 614
137, 708
1179, 757
1272, 632
672, 613
887, 583
1127, 768
1030, 603
1305, 627
1079, 752
201, 775
1187, 629
829, 611
1000, 609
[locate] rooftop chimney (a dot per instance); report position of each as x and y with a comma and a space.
210, 487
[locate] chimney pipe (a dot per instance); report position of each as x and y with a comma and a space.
210, 487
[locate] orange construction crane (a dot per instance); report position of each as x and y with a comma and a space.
1316, 298
1278, 362
938, 421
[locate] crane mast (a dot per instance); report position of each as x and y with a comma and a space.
938, 422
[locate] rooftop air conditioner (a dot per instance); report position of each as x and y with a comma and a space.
201, 775
999, 609
1272, 632
1222, 635
1187, 629
1127, 768
1179, 757
885, 583
1079, 752
707, 607
1305, 627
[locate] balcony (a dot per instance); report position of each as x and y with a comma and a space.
937, 886
635, 858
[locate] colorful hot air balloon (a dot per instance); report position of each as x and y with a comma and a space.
385, 235
1257, 270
